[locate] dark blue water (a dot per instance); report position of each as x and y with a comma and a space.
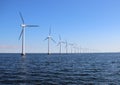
55, 69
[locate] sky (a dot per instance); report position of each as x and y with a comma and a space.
93, 24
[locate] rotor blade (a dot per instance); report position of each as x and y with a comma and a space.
53, 40
59, 37
46, 38
50, 30
58, 44
21, 17
32, 26
71, 44
63, 42
66, 43
21, 34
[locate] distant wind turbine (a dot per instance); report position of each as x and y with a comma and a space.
75, 48
49, 38
71, 45
66, 46
80, 49
60, 43
22, 34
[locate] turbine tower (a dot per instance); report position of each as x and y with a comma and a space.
22, 34
49, 38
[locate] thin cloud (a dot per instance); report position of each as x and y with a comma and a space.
8, 47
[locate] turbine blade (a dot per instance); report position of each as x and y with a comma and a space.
53, 40
71, 44
59, 37
58, 44
32, 26
66, 43
46, 38
21, 17
63, 42
21, 34
50, 30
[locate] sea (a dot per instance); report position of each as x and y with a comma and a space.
60, 69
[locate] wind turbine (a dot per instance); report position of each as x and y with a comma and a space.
66, 46
22, 34
80, 49
49, 37
75, 48
60, 43
71, 45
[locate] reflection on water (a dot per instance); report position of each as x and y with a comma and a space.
70, 69
23, 70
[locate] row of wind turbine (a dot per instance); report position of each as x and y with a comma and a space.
49, 38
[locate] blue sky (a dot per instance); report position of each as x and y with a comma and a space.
93, 24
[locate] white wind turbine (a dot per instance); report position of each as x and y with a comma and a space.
80, 49
22, 34
71, 45
60, 44
49, 37
75, 48
66, 46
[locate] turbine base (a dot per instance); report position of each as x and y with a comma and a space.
22, 54
48, 53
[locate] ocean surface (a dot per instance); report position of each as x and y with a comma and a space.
56, 69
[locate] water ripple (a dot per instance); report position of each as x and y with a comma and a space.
74, 69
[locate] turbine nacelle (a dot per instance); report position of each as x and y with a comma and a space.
23, 25
49, 37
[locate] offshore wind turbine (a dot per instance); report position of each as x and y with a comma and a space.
80, 49
22, 34
71, 45
66, 46
49, 37
75, 48
60, 44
